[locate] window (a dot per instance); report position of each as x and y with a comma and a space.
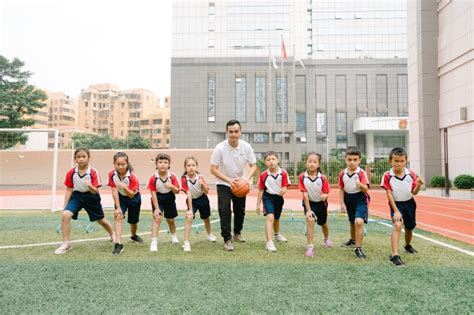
211, 99
157, 121
341, 123
260, 100
281, 99
240, 96
321, 126
277, 137
381, 91
245, 137
260, 137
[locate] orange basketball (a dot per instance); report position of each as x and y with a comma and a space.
241, 189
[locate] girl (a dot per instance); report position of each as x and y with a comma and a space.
163, 186
315, 189
126, 194
82, 191
196, 189
272, 185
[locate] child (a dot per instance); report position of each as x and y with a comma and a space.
315, 189
126, 194
196, 189
401, 184
272, 185
353, 186
82, 191
163, 186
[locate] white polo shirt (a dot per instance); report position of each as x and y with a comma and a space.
232, 161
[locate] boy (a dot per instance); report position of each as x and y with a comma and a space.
272, 185
401, 184
353, 186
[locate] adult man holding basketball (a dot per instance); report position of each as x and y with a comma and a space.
227, 163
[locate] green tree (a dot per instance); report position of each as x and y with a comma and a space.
18, 100
134, 141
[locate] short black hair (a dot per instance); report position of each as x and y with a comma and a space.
268, 153
82, 149
399, 152
232, 122
353, 151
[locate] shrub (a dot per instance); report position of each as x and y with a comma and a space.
464, 182
437, 181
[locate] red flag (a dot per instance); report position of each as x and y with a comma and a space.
283, 49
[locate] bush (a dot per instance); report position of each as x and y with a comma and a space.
464, 182
437, 181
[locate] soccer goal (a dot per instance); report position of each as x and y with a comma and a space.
29, 163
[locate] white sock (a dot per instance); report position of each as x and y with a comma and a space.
310, 245
154, 240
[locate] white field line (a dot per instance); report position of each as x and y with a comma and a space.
89, 239
464, 251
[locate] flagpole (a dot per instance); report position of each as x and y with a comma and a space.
269, 102
282, 102
293, 139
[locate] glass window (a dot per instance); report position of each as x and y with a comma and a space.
321, 125
281, 99
245, 137
260, 100
381, 91
341, 123
260, 137
211, 99
277, 137
240, 95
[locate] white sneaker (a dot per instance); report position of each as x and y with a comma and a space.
238, 238
154, 247
211, 238
174, 239
280, 238
228, 246
64, 248
186, 246
270, 246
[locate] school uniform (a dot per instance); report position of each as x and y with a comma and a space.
356, 201
81, 197
402, 191
315, 188
271, 184
166, 197
126, 203
199, 200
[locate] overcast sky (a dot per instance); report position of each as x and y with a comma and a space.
70, 44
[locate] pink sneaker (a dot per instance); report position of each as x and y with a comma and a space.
310, 252
328, 243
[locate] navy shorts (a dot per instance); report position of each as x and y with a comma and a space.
167, 204
88, 201
132, 205
357, 206
320, 211
201, 204
408, 211
272, 204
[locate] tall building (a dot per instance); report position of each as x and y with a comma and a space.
441, 85
156, 127
62, 109
105, 109
344, 81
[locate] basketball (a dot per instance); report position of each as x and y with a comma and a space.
241, 189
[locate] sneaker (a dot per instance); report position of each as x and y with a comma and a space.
174, 239
154, 247
238, 238
186, 246
118, 249
409, 249
349, 243
64, 248
310, 252
328, 243
228, 246
270, 246
280, 238
397, 261
211, 238
359, 253
136, 239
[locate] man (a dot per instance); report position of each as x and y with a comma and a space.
227, 163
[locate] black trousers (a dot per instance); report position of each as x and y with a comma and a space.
224, 197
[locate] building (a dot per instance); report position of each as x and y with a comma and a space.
62, 109
441, 85
344, 81
105, 109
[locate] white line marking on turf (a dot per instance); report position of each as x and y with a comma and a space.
464, 251
90, 239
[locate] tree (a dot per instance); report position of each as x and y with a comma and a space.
134, 141
18, 100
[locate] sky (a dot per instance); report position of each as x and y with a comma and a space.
71, 44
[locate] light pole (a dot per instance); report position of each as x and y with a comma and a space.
326, 139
